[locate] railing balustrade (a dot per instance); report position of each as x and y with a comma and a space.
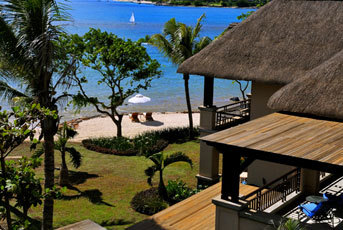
232, 114
274, 191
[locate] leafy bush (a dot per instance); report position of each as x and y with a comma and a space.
151, 143
96, 145
146, 143
173, 135
177, 191
117, 143
148, 202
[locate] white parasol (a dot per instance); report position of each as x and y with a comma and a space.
139, 98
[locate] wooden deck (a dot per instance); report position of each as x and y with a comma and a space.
196, 212
287, 139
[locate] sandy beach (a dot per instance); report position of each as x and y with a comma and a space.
104, 127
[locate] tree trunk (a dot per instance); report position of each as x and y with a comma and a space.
7, 200
189, 107
49, 130
118, 124
64, 174
162, 188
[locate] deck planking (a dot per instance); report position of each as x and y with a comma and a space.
289, 135
194, 213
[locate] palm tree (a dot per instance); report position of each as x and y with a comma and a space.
161, 161
64, 134
28, 54
179, 42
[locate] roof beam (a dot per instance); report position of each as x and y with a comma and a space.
278, 158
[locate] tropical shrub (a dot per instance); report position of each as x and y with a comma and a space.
177, 191
145, 144
65, 133
148, 202
289, 224
173, 135
161, 161
97, 145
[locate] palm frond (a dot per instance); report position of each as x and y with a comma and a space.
150, 172
204, 41
75, 156
162, 44
197, 28
184, 46
157, 158
70, 132
8, 92
177, 157
169, 29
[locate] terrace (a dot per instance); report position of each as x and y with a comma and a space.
310, 145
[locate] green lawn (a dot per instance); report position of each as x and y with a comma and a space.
105, 184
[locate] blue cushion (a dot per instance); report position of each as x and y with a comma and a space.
310, 209
325, 196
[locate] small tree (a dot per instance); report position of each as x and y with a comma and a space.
64, 135
242, 87
16, 126
125, 68
23, 184
161, 161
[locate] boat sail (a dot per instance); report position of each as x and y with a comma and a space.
132, 19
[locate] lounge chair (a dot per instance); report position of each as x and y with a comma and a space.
148, 116
318, 212
134, 117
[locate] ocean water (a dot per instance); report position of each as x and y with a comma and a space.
167, 92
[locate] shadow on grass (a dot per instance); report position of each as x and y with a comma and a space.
93, 195
118, 222
76, 178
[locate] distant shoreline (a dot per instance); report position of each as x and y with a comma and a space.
166, 4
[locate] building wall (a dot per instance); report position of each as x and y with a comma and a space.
263, 171
260, 170
261, 92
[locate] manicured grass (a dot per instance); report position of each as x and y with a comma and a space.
104, 185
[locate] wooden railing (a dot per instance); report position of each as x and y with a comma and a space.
274, 191
232, 114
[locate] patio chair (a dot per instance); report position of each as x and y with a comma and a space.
134, 117
148, 116
318, 212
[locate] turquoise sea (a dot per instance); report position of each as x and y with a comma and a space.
167, 92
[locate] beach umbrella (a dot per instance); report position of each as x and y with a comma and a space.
139, 98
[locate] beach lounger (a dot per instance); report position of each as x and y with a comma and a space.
148, 116
318, 212
134, 117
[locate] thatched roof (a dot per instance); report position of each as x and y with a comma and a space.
319, 92
277, 44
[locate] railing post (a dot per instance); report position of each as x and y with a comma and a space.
258, 195
298, 179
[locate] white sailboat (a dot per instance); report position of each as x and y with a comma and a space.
132, 19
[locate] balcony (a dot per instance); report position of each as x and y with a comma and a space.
233, 114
